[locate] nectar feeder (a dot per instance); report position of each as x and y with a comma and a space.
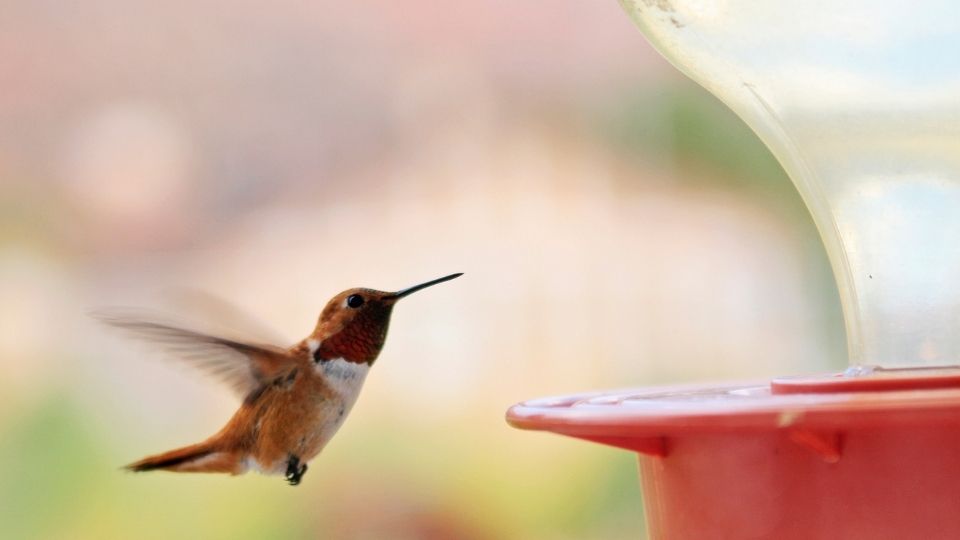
860, 103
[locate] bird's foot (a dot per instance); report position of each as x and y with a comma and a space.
295, 470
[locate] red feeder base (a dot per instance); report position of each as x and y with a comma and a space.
873, 456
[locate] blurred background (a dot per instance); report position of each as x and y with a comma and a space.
617, 226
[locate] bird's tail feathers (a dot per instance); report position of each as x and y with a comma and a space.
201, 457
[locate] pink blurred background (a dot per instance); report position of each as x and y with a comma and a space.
617, 227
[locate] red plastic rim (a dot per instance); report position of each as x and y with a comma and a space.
869, 380
665, 411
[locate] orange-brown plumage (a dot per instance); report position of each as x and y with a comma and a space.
294, 399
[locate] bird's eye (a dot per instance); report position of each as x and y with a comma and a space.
355, 300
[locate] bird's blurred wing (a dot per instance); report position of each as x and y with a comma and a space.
244, 366
228, 317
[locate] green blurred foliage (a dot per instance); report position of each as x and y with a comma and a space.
684, 128
61, 480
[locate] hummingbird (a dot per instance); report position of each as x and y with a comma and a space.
294, 398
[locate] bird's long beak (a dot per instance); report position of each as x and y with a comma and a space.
409, 290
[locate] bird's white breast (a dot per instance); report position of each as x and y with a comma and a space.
345, 379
